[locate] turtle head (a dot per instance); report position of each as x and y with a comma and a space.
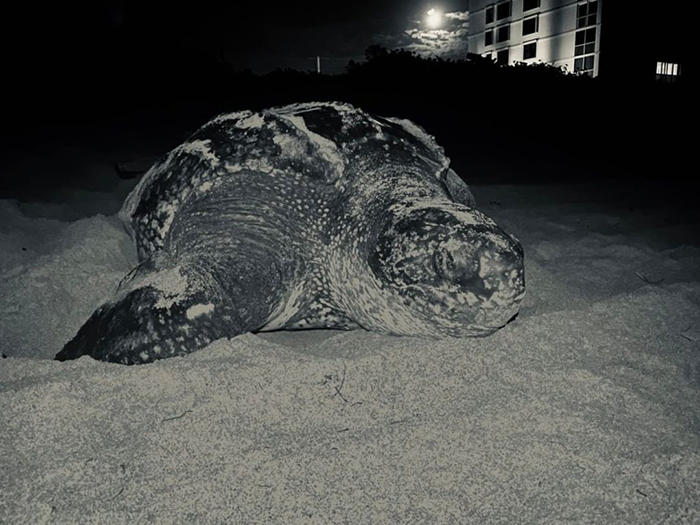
454, 270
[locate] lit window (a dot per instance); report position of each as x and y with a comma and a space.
489, 15
530, 50
503, 34
488, 37
531, 25
530, 4
502, 56
666, 68
667, 71
503, 10
586, 14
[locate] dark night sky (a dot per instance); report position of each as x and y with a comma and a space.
117, 37
256, 35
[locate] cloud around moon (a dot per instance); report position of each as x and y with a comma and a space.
447, 41
458, 15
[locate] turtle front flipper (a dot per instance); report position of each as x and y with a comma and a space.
165, 310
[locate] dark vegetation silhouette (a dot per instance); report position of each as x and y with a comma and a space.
530, 121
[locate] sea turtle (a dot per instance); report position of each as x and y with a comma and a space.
312, 215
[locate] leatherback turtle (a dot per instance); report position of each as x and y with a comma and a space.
312, 215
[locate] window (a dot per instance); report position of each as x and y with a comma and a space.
489, 15
666, 68
530, 50
503, 34
503, 10
667, 71
530, 4
584, 65
586, 14
502, 57
585, 42
584, 45
488, 37
531, 25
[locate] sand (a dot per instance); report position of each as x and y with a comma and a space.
585, 409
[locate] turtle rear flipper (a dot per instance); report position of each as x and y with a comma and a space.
166, 311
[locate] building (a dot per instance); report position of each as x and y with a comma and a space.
564, 33
621, 40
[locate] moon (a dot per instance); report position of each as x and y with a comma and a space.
434, 19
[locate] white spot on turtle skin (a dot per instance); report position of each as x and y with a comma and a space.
233, 168
253, 164
143, 356
236, 115
291, 146
168, 210
199, 147
253, 121
206, 186
196, 310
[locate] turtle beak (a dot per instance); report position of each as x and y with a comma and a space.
501, 281
488, 270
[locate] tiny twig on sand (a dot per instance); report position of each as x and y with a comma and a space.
342, 382
176, 417
646, 279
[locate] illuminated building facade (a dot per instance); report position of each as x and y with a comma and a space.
588, 37
564, 33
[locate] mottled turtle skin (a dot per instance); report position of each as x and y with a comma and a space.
314, 215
